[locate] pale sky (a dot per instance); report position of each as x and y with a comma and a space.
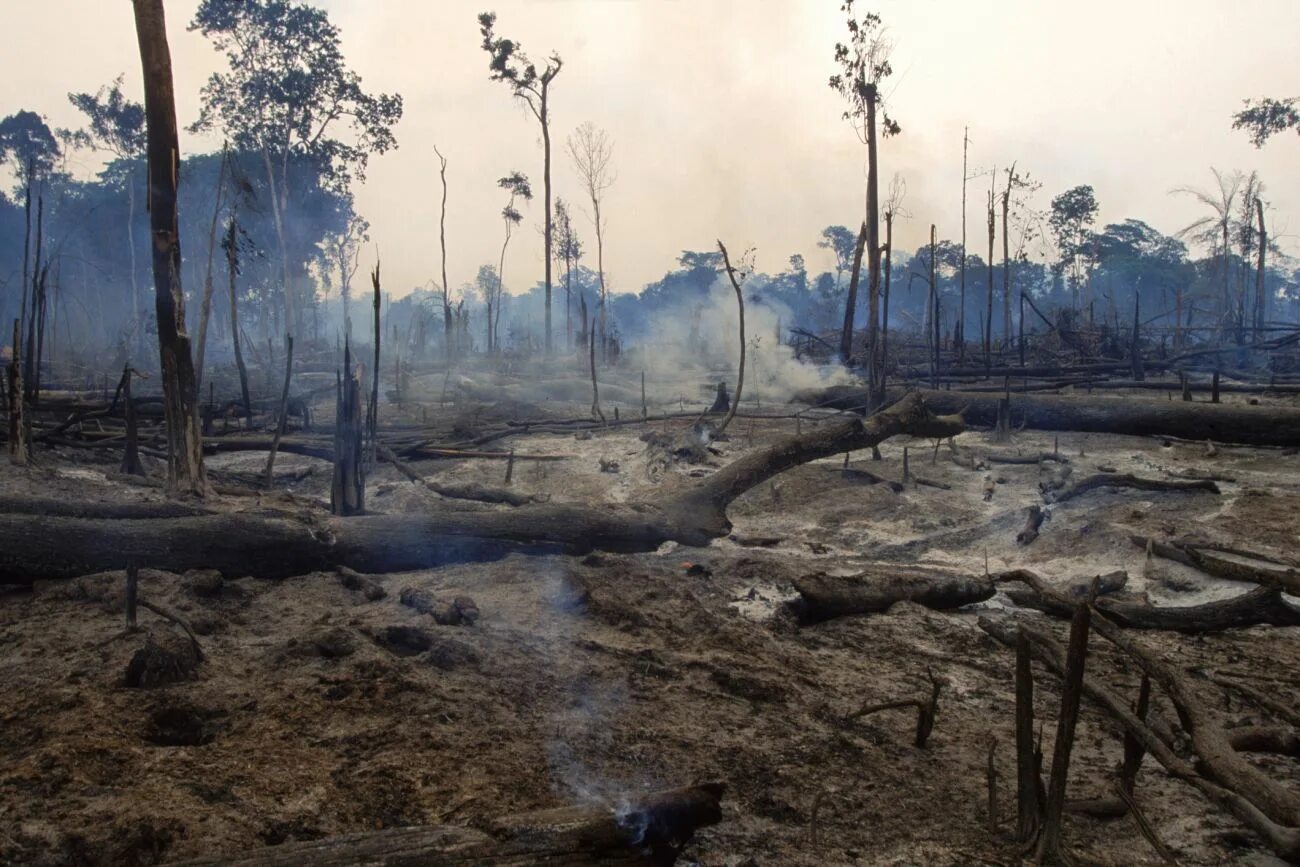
723, 123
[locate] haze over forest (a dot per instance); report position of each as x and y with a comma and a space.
722, 122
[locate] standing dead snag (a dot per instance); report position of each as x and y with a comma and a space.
1029, 763
740, 306
595, 390
284, 410
442, 241
1049, 841
180, 393
348, 489
372, 411
17, 425
131, 457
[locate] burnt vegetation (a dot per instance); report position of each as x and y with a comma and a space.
301, 567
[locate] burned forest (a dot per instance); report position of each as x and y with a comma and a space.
442, 435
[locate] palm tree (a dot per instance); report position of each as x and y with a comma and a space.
1214, 229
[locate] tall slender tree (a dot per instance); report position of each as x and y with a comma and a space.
568, 249
285, 95
864, 65
180, 397
516, 183
116, 125
509, 64
442, 241
592, 153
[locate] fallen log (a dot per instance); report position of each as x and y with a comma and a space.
1126, 480
647, 830
1209, 557
106, 511
38, 547
1284, 840
1222, 423
823, 597
1264, 605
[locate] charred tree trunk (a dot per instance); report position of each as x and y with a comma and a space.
284, 410
348, 489
1222, 423
232, 270
131, 465
740, 308
872, 225
988, 302
1006, 258
34, 547
205, 307
648, 830
372, 410
180, 393
17, 424
442, 242
1261, 296
851, 302
882, 359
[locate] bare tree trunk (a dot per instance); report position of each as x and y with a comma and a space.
740, 305
131, 457
873, 230
205, 308
372, 412
988, 304
846, 336
1006, 258
17, 426
595, 391
180, 394
442, 240
600, 273
232, 269
27, 248
546, 189
936, 329
884, 313
279, 236
1261, 297
348, 488
32, 361
284, 410
130, 242
961, 314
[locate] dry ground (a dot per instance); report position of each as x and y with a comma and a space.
588, 678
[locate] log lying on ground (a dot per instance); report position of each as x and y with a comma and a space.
1126, 480
1222, 423
1226, 561
823, 597
38, 547
108, 511
648, 830
1283, 839
1264, 605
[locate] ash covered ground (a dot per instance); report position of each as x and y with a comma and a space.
320, 711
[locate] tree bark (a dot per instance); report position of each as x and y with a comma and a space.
823, 597
442, 241
184, 440
846, 335
283, 415
18, 449
205, 307
740, 308
1222, 423
348, 486
34, 547
649, 830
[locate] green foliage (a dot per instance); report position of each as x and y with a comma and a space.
864, 64
1072, 216
28, 145
508, 63
116, 124
288, 88
1264, 117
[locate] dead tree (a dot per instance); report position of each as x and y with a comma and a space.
18, 450
180, 393
595, 390
532, 87
348, 488
1221, 423
131, 465
649, 829
1049, 839
961, 305
35, 547
372, 410
205, 306
442, 241
740, 308
231, 244
284, 410
988, 303
851, 302
591, 151
1006, 256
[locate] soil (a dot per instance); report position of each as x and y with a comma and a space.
320, 710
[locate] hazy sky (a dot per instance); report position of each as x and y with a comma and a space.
723, 122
